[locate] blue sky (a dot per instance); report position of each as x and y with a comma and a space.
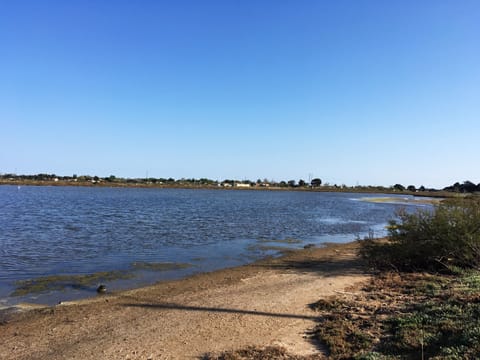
353, 92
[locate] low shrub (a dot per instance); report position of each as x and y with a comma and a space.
442, 239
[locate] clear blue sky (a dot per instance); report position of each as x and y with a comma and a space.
353, 92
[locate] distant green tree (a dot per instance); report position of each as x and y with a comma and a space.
291, 183
301, 182
456, 187
411, 188
398, 187
469, 187
316, 182
205, 181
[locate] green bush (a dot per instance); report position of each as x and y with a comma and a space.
445, 238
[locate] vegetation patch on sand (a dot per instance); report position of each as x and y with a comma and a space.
62, 282
404, 316
256, 353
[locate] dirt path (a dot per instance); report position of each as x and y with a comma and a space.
261, 304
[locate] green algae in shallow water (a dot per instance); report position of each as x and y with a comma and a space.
61, 282
281, 249
139, 265
271, 245
281, 241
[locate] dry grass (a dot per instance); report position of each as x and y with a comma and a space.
404, 316
255, 353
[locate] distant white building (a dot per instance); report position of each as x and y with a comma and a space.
242, 185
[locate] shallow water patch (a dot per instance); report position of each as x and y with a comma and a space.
89, 282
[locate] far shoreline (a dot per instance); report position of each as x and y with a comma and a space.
321, 188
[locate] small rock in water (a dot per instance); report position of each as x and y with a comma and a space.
102, 289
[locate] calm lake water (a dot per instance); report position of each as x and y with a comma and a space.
79, 230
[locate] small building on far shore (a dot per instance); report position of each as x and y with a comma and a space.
242, 185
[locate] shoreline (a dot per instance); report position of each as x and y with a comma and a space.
262, 303
54, 289
281, 253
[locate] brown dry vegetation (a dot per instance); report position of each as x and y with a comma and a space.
256, 353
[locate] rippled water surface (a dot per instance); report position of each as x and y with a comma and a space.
80, 230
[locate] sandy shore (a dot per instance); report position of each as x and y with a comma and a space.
261, 304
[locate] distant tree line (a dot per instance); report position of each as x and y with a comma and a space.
158, 181
316, 183
466, 187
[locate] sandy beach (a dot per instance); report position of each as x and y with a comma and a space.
261, 304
